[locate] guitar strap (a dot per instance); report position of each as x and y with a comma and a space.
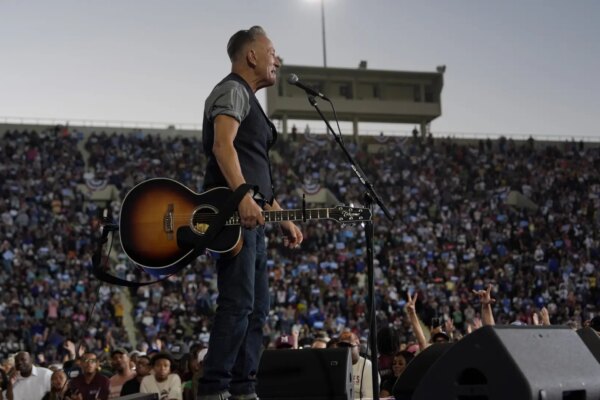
225, 212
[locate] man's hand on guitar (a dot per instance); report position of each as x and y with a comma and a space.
250, 213
293, 235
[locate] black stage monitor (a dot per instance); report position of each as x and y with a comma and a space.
139, 396
315, 374
416, 369
514, 362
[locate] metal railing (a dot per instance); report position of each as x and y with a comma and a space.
96, 123
194, 126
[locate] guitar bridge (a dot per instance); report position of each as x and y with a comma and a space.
168, 222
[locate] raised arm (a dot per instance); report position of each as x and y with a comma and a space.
543, 318
414, 321
11, 378
486, 300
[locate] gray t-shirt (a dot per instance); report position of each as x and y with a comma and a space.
233, 97
228, 98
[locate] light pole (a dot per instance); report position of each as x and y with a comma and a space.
323, 30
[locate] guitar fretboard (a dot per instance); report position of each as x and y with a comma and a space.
287, 215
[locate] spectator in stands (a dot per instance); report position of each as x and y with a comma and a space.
486, 300
454, 233
58, 387
439, 336
388, 344
411, 311
161, 380
91, 384
133, 358
196, 368
122, 371
29, 381
6, 392
362, 370
399, 364
142, 369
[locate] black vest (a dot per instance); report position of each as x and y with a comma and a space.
254, 138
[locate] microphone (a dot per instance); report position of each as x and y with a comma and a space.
294, 80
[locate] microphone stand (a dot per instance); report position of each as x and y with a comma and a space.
370, 196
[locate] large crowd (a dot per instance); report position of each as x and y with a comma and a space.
522, 217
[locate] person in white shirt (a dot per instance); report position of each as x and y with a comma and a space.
362, 372
30, 382
161, 380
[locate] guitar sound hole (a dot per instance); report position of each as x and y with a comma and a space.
201, 219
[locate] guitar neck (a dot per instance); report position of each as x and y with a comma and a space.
288, 215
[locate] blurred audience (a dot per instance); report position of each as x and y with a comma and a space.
487, 232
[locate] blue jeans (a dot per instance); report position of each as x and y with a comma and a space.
242, 306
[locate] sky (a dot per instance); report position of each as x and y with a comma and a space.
515, 67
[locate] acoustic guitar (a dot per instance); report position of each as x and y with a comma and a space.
161, 219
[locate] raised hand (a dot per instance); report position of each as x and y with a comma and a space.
545, 316
485, 296
411, 310
449, 326
469, 328
13, 375
411, 303
70, 347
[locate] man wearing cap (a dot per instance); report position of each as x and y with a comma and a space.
440, 337
119, 359
362, 370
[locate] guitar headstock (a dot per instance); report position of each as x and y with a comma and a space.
349, 215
